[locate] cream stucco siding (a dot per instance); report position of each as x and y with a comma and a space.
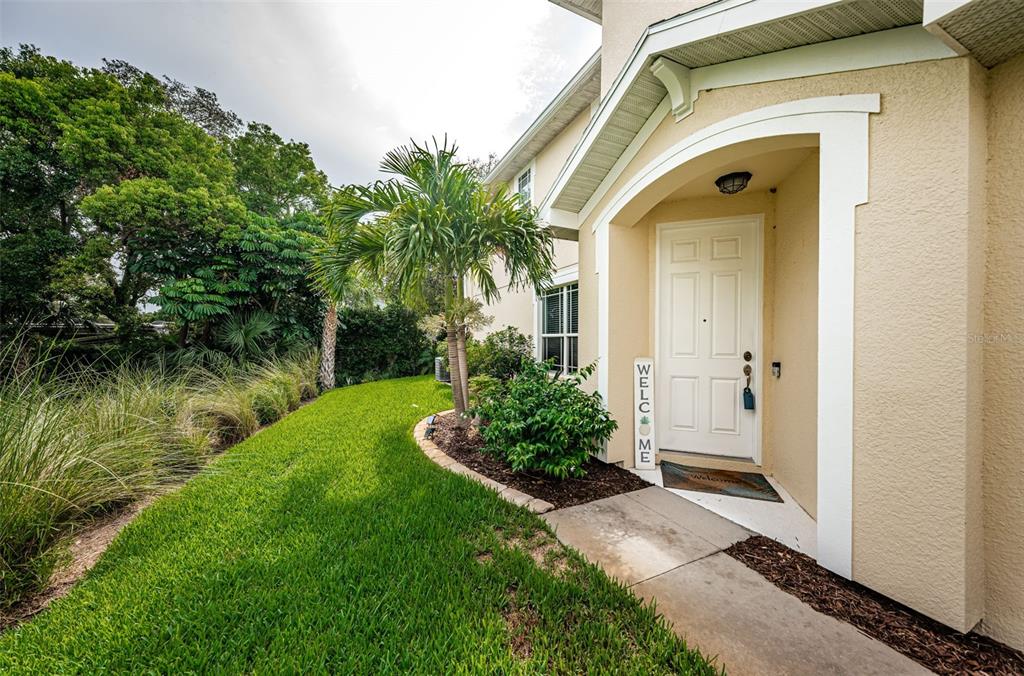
624, 21
1003, 343
550, 160
791, 424
516, 307
915, 460
977, 231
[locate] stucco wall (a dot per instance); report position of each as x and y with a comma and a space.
623, 21
549, 161
1003, 343
791, 421
516, 307
914, 466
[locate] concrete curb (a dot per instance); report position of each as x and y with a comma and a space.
430, 449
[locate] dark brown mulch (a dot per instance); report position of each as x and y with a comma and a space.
601, 480
941, 649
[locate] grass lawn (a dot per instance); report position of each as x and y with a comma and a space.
329, 542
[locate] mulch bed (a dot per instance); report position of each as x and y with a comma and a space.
941, 649
601, 480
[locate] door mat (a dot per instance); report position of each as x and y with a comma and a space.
720, 481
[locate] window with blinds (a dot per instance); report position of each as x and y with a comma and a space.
560, 324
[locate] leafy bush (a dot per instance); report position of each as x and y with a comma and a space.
74, 446
500, 355
540, 421
484, 388
375, 343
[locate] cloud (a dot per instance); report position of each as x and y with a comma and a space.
352, 79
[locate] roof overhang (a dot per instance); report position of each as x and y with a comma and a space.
991, 31
588, 9
575, 97
710, 40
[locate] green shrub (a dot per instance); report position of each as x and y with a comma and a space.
484, 388
375, 343
541, 421
269, 401
74, 446
500, 355
67, 449
227, 403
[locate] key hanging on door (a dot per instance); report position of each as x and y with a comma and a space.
748, 394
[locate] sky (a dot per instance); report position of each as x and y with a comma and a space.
353, 79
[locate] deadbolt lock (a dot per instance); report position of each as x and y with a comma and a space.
747, 356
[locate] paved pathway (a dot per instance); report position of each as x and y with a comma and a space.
668, 549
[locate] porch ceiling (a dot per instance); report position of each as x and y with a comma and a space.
768, 170
644, 93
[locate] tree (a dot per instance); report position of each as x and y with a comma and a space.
276, 178
434, 216
38, 190
119, 188
125, 193
197, 105
482, 167
338, 285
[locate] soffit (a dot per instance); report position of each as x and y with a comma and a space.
821, 25
577, 96
645, 92
590, 9
991, 30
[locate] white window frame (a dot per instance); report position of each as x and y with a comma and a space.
560, 284
531, 170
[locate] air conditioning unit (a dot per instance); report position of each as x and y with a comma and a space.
440, 372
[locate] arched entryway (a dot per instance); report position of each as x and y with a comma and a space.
837, 126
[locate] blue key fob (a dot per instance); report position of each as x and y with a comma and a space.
748, 399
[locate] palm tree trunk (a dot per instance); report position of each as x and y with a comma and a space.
328, 342
463, 367
458, 396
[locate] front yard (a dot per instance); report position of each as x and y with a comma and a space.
329, 542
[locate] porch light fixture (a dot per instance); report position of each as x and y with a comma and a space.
730, 184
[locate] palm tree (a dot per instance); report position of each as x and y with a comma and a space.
433, 217
338, 285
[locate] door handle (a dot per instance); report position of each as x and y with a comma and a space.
748, 394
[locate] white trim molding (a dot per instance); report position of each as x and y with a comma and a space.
676, 78
908, 44
570, 274
531, 169
841, 125
591, 70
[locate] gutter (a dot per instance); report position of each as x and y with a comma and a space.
505, 164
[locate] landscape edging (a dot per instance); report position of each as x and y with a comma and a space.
432, 451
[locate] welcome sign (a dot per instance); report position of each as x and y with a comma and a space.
643, 413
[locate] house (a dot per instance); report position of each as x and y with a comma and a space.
835, 188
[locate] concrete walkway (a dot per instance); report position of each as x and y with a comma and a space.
670, 550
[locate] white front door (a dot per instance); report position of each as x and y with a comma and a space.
709, 309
